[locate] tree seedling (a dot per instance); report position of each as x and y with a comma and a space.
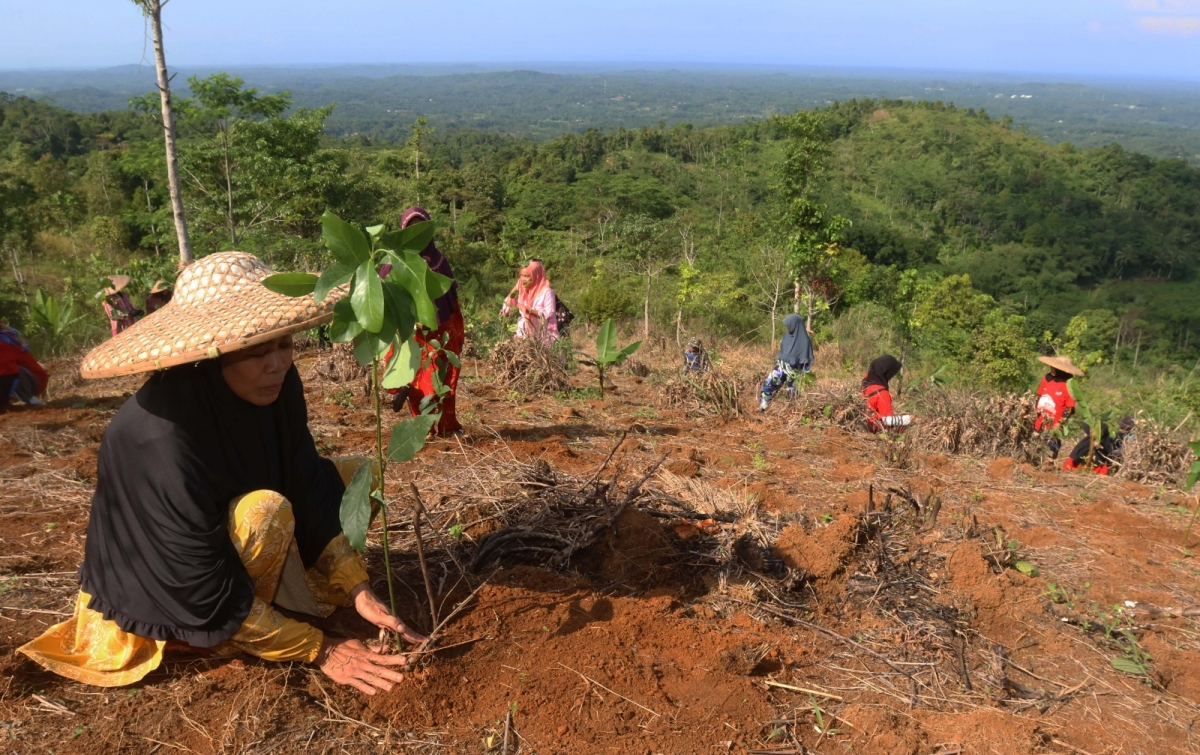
608, 353
1193, 475
391, 291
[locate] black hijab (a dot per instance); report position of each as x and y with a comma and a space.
881, 371
796, 347
158, 559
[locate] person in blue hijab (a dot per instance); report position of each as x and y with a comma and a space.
795, 359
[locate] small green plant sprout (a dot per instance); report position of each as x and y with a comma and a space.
760, 463
1136, 660
1093, 421
457, 532
391, 291
1193, 475
608, 353
1059, 594
52, 317
822, 727
1026, 568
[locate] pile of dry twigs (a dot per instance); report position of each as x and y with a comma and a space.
1155, 455
709, 394
962, 422
529, 367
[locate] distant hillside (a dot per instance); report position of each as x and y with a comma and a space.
380, 102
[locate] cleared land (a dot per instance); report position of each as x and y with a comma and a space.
776, 585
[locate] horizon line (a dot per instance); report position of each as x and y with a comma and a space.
630, 66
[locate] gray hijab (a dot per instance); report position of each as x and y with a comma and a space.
796, 348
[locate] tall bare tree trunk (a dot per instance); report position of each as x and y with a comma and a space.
646, 311
153, 11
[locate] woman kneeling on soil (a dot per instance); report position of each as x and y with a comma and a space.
879, 399
1110, 452
212, 506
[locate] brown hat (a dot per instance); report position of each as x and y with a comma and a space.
1063, 364
119, 282
220, 305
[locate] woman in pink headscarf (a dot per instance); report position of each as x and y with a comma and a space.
535, 303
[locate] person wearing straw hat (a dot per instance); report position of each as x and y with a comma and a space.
160, 294
1054, 400
117, 306
212, 508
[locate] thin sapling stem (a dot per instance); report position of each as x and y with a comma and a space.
382, 462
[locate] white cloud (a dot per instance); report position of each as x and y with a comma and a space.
1182, 26
1169, 7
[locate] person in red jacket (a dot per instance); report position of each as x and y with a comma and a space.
879, 399
450, 334
1054, 400
20, 374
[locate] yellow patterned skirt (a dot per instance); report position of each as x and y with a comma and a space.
90, 649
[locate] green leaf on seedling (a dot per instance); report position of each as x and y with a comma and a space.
606, 341
367, 297
1194, 472
456, 531
411, 273
453, 359
1129, 666
291, 284
408, 437
345, 327
348, 244
400, 313
364, 348
1026, 568
402, 370
373, 230
625, 352
335, 275
412, 239
355, 511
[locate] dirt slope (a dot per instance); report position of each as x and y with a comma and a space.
864, 623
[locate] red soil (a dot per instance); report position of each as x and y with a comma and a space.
628, 654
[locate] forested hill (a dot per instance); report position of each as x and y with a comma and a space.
544, 101
979, 244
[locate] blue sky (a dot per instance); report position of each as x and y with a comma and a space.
1140, 38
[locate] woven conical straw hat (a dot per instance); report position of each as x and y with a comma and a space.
219, 306
1062, 363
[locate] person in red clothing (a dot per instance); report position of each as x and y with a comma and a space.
880, 416
20, 374
450, 334
1054, 400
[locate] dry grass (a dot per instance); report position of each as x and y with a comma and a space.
529, 367
831, 400
1156, 456
707, 394
962, 422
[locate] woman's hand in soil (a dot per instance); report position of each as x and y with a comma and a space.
353, 663
371, 608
